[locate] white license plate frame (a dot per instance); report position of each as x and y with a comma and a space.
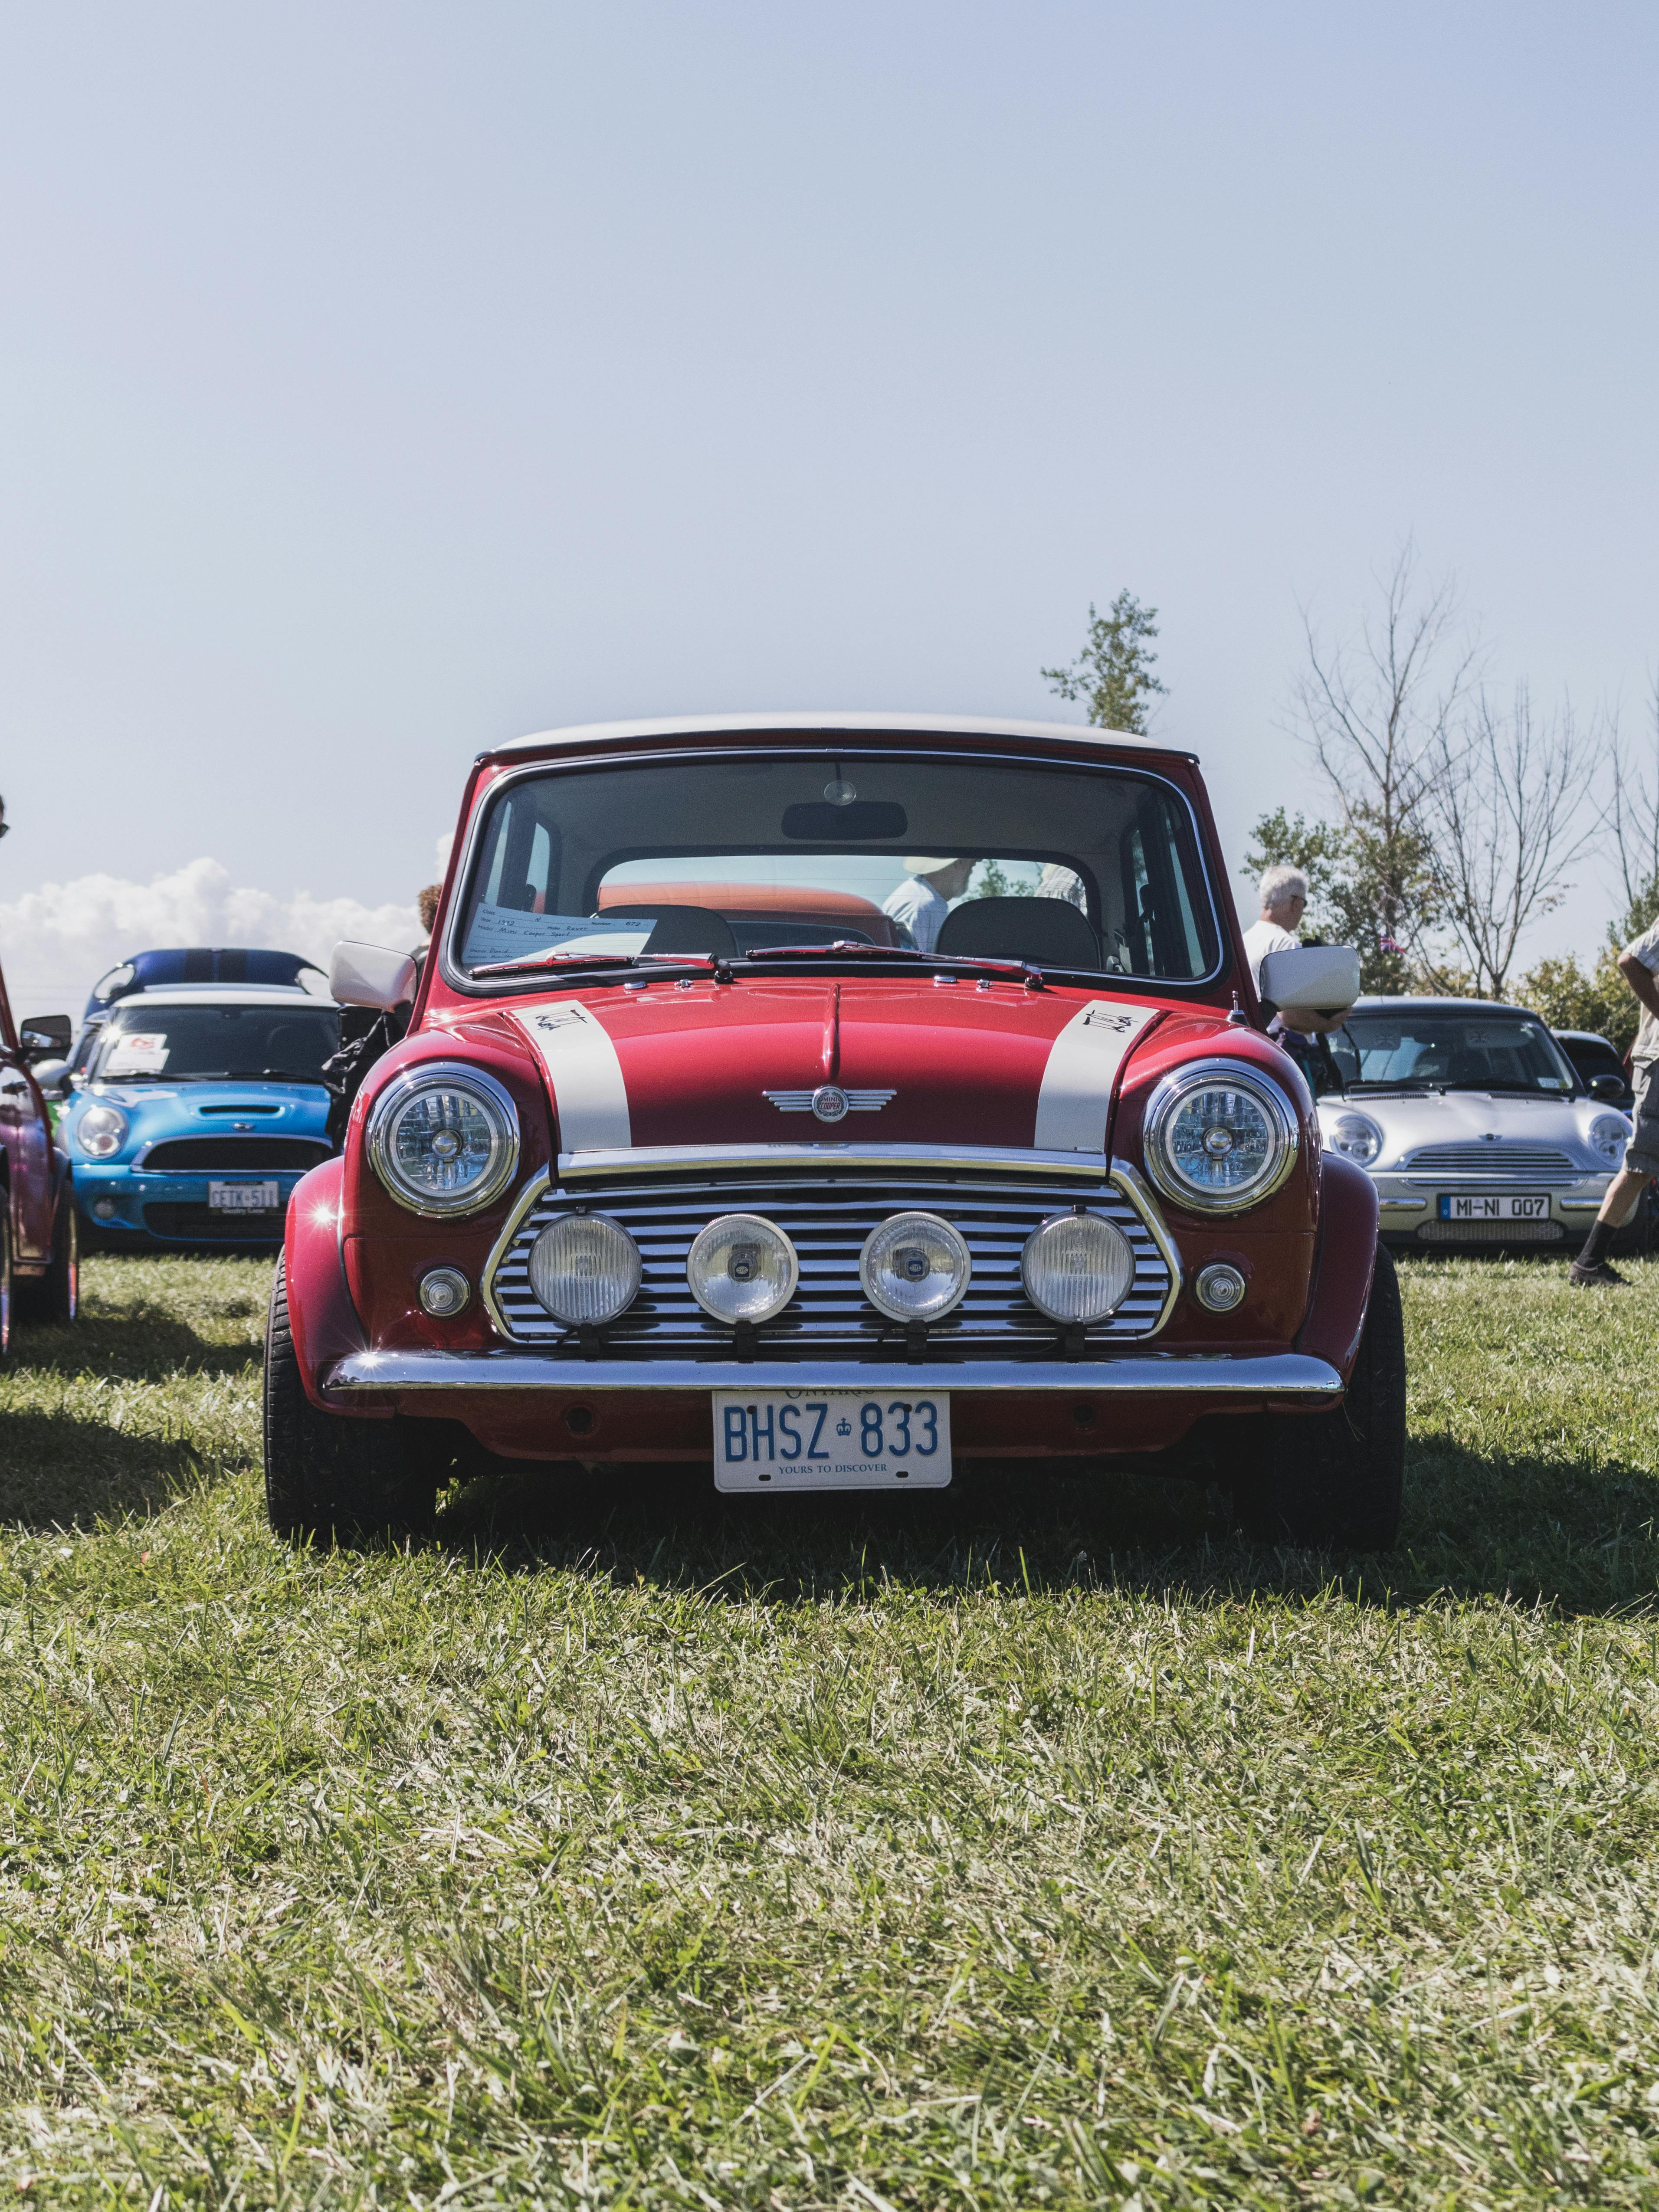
1494, 1206
263, 1197
760, 1449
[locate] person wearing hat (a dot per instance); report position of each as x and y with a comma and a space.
923, 899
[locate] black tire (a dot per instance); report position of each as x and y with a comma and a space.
1337, 1479
55, 1297
329, 1477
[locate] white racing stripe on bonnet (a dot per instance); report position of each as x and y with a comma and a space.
581, 1057
1083, 1065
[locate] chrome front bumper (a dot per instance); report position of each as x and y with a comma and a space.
1278, 1375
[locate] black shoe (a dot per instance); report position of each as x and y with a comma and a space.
1601, 1271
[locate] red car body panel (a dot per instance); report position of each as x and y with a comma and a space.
35, 1169
965, 1062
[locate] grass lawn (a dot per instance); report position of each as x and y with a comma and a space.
1032, 1844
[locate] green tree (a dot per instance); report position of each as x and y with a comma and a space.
1114, 671
1354, 877
1568, 998
989, 882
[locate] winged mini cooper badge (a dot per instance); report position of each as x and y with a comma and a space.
830, 1102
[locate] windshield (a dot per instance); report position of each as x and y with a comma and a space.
142, 1040
1447, 1050
1087, 871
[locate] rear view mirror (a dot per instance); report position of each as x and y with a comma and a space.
846, 823
1610, 1087
371, 976
1322, 979
43, 1035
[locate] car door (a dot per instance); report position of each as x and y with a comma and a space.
26, 1133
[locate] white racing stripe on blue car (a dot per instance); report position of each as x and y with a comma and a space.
1083, 1065
588, 1090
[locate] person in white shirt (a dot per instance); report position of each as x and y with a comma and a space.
1284, 896
923, 899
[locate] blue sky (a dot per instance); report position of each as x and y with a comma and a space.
379, 382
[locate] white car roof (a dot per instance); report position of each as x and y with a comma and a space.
223, 994
827, 724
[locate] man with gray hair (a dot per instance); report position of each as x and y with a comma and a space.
1283, 894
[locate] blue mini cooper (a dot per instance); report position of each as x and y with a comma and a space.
200, 1109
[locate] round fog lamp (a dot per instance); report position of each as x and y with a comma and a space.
915, 1267
1077, 1268
1219, 1288
742, 1267
444, 1292
585, 1269
104, 1209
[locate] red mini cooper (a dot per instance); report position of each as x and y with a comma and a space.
832, 1099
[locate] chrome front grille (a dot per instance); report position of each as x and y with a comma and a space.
827, 1215
1533, 1163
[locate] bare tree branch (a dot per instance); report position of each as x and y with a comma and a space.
1631, 813
1506, 805
1375, 714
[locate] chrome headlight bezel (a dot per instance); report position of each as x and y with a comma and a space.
625, 1280
753, 1228
898, 1225
1614, 1126
496, 1105
1173, 1090
1079, 1221
122, 1133
1349, 1120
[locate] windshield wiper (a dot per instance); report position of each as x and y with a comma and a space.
271, 1075
1521, 1090
846, 948
540, 961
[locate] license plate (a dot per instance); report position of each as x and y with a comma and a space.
244, 1197
890, 1439
1510, 1206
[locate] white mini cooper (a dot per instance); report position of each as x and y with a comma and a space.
1471, 1122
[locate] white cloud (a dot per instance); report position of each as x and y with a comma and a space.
56, 942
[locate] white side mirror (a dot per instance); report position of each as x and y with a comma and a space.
371, 976
1312, 978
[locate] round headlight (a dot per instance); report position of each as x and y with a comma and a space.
444, 1139
101, 1132
1355, 1137
1609, 1136
585, 1269
1219, 1137
1077, 1268
915, 1267
742, 1267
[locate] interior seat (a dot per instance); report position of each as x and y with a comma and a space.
291, 1044
1049, 932
679, 928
